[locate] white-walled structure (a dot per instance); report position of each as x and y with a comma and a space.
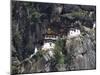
48, 45
51, 37
74, 33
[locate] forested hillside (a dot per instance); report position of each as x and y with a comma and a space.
30, 20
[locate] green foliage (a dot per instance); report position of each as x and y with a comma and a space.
17, 38
61, 59
80, 13
36, 16
58, 51
68, 59
76, 14
39, 55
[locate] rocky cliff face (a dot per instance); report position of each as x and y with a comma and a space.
31, 20
83, 51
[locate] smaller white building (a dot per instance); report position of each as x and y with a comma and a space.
48, 48
74, 33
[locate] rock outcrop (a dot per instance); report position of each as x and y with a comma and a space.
30, 20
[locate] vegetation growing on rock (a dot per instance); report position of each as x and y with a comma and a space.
32, 21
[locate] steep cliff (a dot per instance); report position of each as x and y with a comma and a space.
31, 20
